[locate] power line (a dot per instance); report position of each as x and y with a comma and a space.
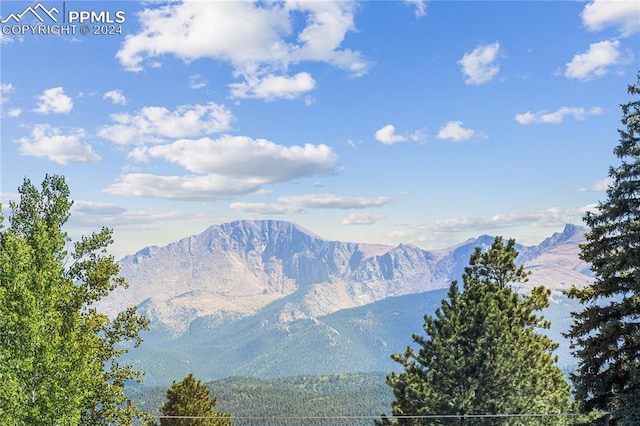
347, 417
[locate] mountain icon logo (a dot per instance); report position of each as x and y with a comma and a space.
39, 11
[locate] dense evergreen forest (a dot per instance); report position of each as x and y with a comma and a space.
334, 400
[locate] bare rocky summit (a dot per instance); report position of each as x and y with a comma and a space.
233, 270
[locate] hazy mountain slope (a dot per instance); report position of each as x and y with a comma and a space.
352, 340
232, 270
268, 298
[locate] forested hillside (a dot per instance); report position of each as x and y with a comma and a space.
334, 400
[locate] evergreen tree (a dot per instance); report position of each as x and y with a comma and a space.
191, 398
481, 353
606, 333
58, 355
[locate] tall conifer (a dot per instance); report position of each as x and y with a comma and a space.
606, 333
482, 353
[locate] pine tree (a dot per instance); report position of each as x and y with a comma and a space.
191, 398
606, 333
58, 355
481, 353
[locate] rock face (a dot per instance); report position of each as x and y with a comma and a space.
231, 271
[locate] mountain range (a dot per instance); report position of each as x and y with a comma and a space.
269, 298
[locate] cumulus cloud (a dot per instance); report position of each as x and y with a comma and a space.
14, 112
420, 7
271, 86
52, 144
116, 96
356, 218
243, 156
54, 101
598, 186
556, 117
187, 188
595, 62
225, 167
156, 124
479, 66
624, 15
453, 130
387, 135
260, 40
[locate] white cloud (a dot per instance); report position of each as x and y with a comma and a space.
188, 188
553, 217
87, 213
387, 135
156, 124
116, 96
298, 203
623, 14
54, 100
50, 143
332, 201
92, 208
5, 89
594, 63
271, 87
420, 6
260, 40
5, 39
196, 82
556, 117
418, 136
241, 156
328, 22
14, 112
5, 197
598, 186
356, 218
479, 65
225, 167
453, 130
266, 208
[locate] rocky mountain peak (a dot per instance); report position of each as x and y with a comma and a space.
237, 268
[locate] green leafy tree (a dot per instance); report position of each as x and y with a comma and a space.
59, 355
482, 354
191, 398
606, 333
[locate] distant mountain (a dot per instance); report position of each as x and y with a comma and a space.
251, 297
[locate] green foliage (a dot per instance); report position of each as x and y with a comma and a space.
606, 333
191, 398
58, 355
481, 353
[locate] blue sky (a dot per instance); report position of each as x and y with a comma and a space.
389, 122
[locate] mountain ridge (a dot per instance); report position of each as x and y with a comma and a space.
269, 298
237, 268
